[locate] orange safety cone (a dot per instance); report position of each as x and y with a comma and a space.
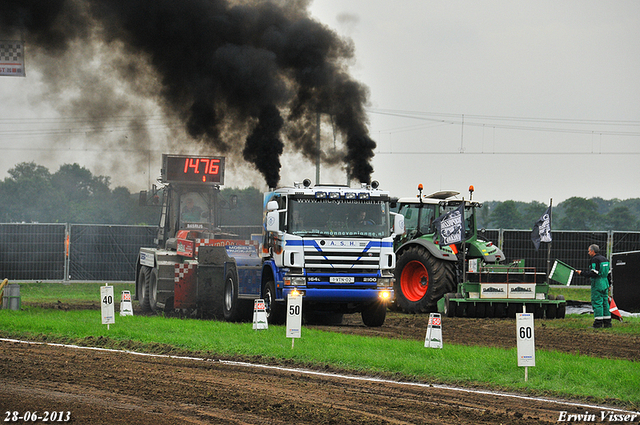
613, 308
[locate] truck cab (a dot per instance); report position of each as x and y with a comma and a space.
334, 245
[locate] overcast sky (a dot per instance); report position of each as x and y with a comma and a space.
525, 100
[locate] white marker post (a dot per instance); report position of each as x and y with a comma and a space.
260, 315
125, 304
294, 317
106, 297
526, 342
433, 338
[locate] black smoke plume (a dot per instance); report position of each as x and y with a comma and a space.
264, 67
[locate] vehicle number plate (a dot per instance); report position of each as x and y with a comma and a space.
341, 279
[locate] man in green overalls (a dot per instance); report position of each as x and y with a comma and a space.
599, 272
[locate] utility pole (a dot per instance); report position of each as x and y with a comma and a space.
318, 148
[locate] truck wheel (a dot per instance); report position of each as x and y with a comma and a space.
275, 310
421, 280
374, 314
142, 288
153, 290
231, 305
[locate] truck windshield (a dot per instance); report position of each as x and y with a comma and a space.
327, 217
193, 208
419, 214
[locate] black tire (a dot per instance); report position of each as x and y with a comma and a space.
471, 309
421, 280
374, 315
231, 305
449, 306
513, 309
490, 310
552, 309
562, 308
275, 310
142, 288
500, 310
153, 290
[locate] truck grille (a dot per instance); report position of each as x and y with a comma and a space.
342, 260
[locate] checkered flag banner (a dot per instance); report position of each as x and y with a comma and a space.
12, 58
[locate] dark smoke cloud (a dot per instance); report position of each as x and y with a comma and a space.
263, 67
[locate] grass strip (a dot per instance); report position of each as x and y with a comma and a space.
559, 374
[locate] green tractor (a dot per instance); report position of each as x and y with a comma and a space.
425, 269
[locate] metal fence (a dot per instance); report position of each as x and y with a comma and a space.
567, 246
32, 251
80, 252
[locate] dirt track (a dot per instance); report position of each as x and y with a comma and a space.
101, 387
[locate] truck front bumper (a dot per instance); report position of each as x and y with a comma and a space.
327, 295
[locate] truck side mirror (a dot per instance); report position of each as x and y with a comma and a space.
273, 220
272, 206
398, 224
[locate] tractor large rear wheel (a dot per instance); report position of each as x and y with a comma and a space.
421, 280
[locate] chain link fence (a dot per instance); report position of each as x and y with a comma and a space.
77, 252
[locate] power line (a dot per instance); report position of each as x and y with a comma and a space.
420, 114
504, 153
488, 121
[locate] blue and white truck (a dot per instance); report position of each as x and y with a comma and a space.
332, 244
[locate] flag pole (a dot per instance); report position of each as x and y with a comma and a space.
549, 244
463, 240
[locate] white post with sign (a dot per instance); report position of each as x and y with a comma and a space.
433, 338
294, 317
526, 342
125, 304
107, 305
260, 315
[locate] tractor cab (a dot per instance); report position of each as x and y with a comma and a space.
421, 211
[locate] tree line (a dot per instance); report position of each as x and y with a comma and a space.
576, 213
32, 194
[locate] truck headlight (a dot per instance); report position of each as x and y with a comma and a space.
385, 281
295, 280
385, 295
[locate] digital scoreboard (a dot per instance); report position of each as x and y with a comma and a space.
193, 169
